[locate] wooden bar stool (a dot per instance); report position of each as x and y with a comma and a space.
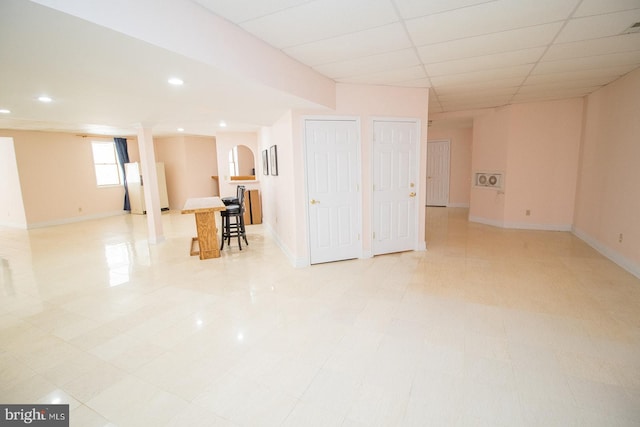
235, 211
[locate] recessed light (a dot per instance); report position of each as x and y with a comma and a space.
4, 111
223, 124
176, 81
180, 129
44, 98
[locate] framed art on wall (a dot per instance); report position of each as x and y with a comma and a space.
274, 159
265, 162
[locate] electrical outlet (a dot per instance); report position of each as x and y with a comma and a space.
620, 238
528, 212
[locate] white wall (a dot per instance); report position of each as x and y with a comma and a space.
288, 189
12, 212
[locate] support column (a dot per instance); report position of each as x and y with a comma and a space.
150, 180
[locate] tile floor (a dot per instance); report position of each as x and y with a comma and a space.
488, 327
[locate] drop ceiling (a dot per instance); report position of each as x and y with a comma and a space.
472, 54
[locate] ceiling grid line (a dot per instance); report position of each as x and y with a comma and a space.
471, 54
546, 50
415, 51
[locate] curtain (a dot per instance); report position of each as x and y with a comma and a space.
123, 157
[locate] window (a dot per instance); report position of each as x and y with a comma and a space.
105, 163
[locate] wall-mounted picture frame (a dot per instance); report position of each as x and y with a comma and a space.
265, 162
274, 159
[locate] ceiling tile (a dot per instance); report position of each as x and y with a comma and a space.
588, 62
423, 82
415, 8
607, 72
469, 105
488, 85
475, 77
369, 42
476, 91
371, 63
387, 77
321, 19
595, 7
501, 15
566, 84
627, 42
242, 10
487, 62
521, 38
555, 89
593, 27
553, 94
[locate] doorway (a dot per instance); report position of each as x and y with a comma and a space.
438, 163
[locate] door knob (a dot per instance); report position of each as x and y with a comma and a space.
412, 194
314, 201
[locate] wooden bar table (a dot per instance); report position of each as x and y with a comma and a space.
205, 208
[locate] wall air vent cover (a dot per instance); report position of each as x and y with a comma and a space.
488, 180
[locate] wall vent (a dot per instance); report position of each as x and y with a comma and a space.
488, 180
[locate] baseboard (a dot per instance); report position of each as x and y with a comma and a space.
458, 205
75, 219
296, 262
21, 226
520, 226
486, 221
606, 251
541, 227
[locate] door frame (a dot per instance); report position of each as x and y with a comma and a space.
358, 166
426, 196
417, 245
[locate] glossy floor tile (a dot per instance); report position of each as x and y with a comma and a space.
487, 327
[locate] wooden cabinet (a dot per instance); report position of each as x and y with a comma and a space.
252, 207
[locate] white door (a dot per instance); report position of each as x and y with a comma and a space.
332, 189
438, 154
395, 169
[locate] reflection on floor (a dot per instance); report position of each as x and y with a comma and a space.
487, 327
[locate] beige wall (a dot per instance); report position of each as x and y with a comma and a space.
535, 146
58, 179
490, 144
171, 151
542, 164
608, 192
12, 212
225, 141
189, 162
460, 165
365, 103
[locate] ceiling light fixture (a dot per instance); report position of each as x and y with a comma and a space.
180, 129
44, 98
175, 81
223, 124
4, 111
